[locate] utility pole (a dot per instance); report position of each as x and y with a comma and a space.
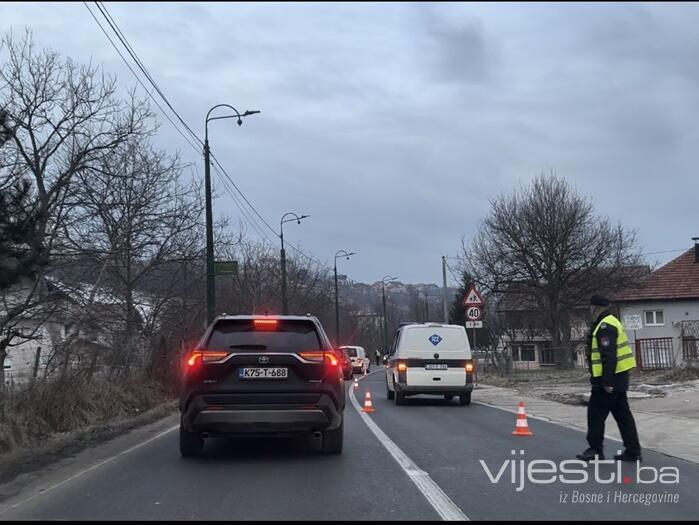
386, 279
339, 253
282, 258
385, 321
210, 276
444, 288
282, 255
210, 267
337, 309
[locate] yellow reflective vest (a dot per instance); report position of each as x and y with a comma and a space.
625, 359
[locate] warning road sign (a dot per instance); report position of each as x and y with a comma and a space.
473, 298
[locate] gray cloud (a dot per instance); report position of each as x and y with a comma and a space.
393, 124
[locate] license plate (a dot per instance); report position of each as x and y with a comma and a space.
263, 373
436, 366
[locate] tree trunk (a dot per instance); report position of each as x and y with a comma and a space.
3, 355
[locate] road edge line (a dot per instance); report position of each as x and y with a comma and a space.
432, 492
88, 469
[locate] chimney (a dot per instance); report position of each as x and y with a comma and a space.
696, 249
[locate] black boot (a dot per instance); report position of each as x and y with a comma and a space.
590, 454
625, 456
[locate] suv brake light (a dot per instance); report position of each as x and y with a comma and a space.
204, 356
265, 324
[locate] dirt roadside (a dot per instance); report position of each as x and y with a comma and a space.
28, 460
668, 392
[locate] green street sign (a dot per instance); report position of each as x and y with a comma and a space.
226, 267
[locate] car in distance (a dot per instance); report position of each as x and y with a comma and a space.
359, 359
262, 375
430, 358
345, 363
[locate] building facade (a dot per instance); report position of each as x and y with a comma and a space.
665, 310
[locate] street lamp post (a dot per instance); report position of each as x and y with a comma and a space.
386, 279
339, 253
210, 270
293, 217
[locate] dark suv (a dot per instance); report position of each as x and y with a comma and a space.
262, 375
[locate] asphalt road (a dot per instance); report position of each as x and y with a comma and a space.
438, 445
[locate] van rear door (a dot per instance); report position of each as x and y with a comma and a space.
436, 355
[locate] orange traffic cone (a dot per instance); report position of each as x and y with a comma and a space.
521, 428
368, 406
356, 384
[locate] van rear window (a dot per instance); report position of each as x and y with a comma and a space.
241, 336
351, 352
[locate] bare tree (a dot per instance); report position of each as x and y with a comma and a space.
63, 118
545, 241
136, 216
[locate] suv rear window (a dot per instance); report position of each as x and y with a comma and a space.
351, 352
241, 336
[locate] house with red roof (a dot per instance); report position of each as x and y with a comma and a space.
661, 315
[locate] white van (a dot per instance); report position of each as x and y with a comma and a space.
430, 358
358, 358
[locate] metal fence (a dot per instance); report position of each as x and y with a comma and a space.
655, 354
518, 366
690, 348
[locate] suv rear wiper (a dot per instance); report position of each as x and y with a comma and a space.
250, 347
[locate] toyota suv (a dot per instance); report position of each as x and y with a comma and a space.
262, 375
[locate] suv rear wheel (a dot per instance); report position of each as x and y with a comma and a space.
465, 399
400, 397
332, 439
191, 443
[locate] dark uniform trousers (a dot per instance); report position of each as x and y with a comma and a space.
600, 405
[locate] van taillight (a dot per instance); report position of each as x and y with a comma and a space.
469, 366
402, 367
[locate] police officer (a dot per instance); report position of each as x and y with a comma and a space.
610, 358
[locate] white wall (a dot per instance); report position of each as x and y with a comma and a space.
674, 313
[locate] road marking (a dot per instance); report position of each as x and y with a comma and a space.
93, 467
434, 495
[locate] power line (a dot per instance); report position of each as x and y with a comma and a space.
138, 79
124, 41
666, 251
456, 280
129, 48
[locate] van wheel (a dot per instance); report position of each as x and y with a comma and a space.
191, 443
400, 397
332, 439
389, 395
465, 399
448, 397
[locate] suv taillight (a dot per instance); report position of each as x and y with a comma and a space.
318, 357
204, 356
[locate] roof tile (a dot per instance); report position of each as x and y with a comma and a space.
678, 279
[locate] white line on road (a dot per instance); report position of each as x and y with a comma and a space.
85, 471
435, 496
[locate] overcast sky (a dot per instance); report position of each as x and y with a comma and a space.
392, 125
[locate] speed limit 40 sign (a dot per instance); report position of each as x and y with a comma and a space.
474, 313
